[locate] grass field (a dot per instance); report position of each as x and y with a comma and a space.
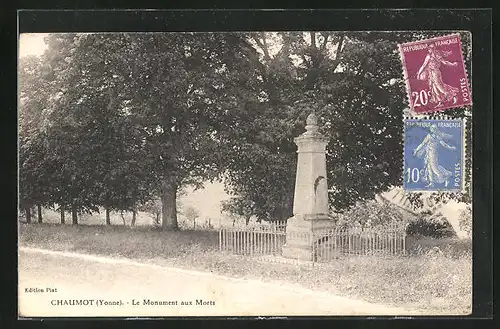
439, 283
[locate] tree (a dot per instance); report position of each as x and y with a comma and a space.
186, 90
125, 116
191, 214
172, 95
465, 220
354, 83
179, 88
154, 208
239, 206
33, 179
176, 92
37, 140
95, 146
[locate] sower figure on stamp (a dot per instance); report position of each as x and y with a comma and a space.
431, 72
433, 172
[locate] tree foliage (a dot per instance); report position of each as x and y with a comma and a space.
354, 83
135, 114
465, 220
239, 206
113, 120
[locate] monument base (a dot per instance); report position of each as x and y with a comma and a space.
301, 233
298, 252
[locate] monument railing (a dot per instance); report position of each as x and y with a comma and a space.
333, 243
327, 244
266, 239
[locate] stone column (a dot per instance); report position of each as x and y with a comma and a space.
310, 204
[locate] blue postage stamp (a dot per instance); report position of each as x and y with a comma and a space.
433, 155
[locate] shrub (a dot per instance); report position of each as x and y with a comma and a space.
465, 220
431, 225
369, 214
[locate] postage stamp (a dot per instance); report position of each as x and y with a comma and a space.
433, 155
435, 74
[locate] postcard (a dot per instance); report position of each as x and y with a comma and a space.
251, 173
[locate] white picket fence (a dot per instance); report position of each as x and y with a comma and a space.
265, 239
327, 244
330, 244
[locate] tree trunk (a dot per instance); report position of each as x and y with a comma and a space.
63, 220
28, 215
134, 217
169, 207
264, 46
74, 213
247, 220
39, 206
123, 218
313, 39
234, 220
108, 218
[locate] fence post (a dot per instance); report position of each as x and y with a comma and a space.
387, 243
241, 233
247, 242
238, 242
349, 243
265, 242
372, 237
275, 242
404, 243
362, 245
259, 242
220, 239
242, 242
262, 246
335, 239
342, 241
326, 249
391, 241
250, 244
233, 240
393, 238
223, 243
233, 237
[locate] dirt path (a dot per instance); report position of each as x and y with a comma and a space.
137, 287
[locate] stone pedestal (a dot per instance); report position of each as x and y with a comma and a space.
301, 233
310, 204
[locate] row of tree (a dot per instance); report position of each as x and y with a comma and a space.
113, 120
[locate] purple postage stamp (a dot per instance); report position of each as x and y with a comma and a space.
435, 74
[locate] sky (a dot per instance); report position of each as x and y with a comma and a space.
32, 44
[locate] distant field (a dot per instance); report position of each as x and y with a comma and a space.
207, 201
50, 216
53, 217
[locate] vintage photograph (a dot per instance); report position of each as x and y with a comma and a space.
278, 173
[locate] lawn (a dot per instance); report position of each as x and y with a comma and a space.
438, 283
